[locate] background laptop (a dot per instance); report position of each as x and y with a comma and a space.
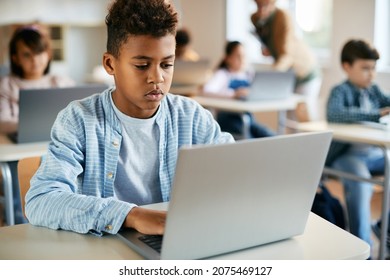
38, 109
230, 197
190, 73
271, 85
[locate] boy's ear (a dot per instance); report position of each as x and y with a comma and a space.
346, 66
109, 63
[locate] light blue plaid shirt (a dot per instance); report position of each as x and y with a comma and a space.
74, 186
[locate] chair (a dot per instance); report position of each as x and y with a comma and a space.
26, 169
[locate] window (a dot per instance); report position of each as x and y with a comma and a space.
382, 33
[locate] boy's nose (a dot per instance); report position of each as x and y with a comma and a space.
156, 77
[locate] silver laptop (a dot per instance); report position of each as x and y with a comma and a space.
190, 73
230, 197
271, 85
38, 109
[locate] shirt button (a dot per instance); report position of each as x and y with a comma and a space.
115, 143
110, 175
108, 227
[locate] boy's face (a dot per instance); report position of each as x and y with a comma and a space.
143, 73
361, 72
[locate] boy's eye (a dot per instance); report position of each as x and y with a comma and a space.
26, 55
166, 65
142, 67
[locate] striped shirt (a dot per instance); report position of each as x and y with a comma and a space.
74, 187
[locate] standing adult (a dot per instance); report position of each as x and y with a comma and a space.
275, 30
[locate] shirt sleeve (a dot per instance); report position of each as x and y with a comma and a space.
9, 108
58, 196
284, 37
218, 84
383, 98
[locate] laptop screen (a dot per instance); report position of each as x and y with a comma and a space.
38, 109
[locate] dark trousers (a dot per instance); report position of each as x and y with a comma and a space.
233, 123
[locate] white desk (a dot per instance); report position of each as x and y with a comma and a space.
238, 106
357, 133
14, 152
321, 240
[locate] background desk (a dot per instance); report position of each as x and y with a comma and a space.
186, 90
238, 106
357, 133
14, 152
321, 240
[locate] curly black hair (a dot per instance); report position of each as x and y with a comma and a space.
156, 18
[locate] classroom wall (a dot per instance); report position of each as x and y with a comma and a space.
86, 34
206, 19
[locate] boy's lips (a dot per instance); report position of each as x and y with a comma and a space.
154, 95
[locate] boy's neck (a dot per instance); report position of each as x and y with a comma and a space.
357, 86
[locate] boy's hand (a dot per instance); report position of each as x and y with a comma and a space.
385, 111
146, 221
265, 51
241, 93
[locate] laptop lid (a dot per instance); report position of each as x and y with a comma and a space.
271, 85
192, 73
38, 109
235, 196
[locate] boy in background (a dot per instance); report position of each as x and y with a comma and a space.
184, 50
114, 151
359, 99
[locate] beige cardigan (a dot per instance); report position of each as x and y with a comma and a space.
291, 52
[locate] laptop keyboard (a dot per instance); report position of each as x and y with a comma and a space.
153, 241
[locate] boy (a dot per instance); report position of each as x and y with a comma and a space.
118, 149
184, 49
358, 99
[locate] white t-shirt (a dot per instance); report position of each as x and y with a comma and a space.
137, 176
219, 83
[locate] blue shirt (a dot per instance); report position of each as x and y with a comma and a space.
345, 104
74, 186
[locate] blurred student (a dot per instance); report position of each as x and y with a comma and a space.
184, 50
232, 80
114, 151
276, 32
30, 56
356, 99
